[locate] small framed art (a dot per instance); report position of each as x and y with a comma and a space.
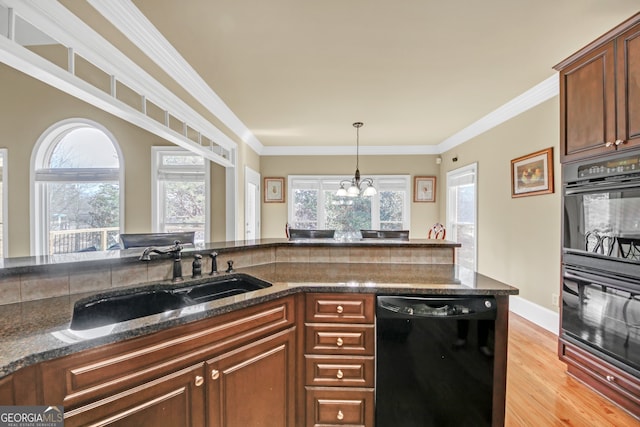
424, 189
532, 174
274, 190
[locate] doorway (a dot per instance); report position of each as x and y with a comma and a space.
251, 204
462, 213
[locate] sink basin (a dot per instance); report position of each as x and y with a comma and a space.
107, 309
118, 308
223, 288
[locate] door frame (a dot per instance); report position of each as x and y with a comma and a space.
473, 167
252, 177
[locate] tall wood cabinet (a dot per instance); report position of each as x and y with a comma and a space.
599, 114
600, 95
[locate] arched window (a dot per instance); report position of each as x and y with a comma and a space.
77, 203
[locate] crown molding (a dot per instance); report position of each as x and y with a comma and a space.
127, 18
538, 94
345, 150
134, 25
541, 92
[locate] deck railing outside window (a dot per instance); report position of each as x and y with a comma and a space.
86, 239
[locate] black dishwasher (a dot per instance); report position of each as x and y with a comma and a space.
434, 361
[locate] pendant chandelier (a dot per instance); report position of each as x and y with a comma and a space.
356, 184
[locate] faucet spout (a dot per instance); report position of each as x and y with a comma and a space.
176, 253
173, 250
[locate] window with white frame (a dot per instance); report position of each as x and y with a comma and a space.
180, 192
76, 204
314, 205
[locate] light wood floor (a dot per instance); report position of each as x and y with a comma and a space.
541, 393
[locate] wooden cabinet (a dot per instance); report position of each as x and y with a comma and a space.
600, 95
176, 399
254, 385
160, 379
616, 384
339, 359
600, 114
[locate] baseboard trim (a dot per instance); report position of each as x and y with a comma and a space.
541, 316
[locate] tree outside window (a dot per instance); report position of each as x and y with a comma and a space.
180, 192
78, 185
315, 205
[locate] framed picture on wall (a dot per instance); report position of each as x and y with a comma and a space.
424, 189
532, 174
274, 190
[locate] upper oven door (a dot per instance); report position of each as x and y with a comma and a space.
602, 220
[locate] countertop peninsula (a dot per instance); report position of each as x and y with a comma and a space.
35, 331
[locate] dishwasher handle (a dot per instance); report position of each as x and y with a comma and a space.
403, 307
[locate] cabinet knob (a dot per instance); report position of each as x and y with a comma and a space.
610, 378
618, 142
215, 374
199, 380
340, 309
340, 415
339, 342
340, 374
608, 144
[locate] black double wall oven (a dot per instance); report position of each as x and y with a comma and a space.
601, 258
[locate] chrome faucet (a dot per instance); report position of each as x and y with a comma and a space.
175, 251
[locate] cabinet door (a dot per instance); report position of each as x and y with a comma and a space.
174, 400
587, 105
628, 88
254, 385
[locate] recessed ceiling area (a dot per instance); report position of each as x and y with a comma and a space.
298, 73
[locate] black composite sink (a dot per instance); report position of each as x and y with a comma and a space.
224, 288
106, 309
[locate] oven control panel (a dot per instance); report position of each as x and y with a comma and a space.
628, 164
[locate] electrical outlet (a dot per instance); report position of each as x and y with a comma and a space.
554, 300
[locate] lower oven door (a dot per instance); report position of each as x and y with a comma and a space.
602, 314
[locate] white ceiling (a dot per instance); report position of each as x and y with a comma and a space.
298, 73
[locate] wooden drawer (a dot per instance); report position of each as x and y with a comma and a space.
340, 371
339, 339
103, 371
605, 378
340, 406
340, 308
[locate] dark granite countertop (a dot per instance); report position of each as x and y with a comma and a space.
35, 331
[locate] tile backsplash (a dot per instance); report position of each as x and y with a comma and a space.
77, 278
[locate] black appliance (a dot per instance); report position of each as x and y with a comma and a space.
601, 258
434, 361
601, 204
601, 313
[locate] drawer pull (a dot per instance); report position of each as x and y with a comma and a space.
339, 342
340, 309
608, 144
215, 374
340, 415
199, 380
618, 142
610, 378
340, 374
